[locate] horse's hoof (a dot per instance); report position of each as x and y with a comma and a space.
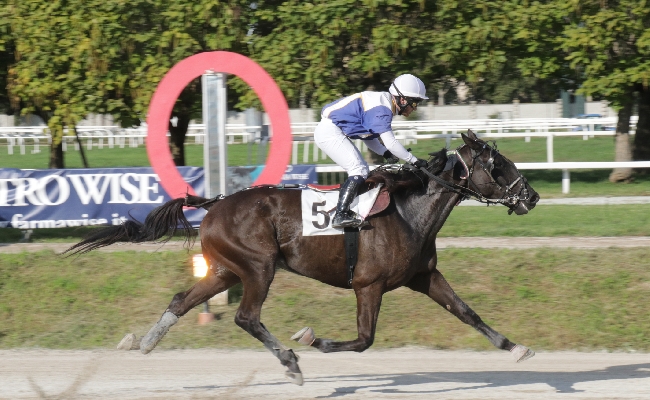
127, 342
156, 333
304, 336
521, 353
294, 377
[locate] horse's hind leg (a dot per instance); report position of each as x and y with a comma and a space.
436, 287
368, 305
202, 291
248, 318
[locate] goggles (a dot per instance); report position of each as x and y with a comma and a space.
413, 102
410, 101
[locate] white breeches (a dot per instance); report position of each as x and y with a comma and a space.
339, 148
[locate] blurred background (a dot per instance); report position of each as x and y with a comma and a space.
562, 87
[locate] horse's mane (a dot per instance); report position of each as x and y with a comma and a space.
407, 180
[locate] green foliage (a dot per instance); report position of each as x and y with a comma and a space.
6, 58
319, 51
57, 64
609, 42
79, 57
65, 59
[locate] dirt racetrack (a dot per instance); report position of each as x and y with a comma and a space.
387, 374
375, 374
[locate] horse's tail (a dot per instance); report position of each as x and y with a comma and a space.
159, 226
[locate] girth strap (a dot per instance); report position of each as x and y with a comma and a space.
351, 238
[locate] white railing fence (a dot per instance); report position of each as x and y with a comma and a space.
333, 174
407, 132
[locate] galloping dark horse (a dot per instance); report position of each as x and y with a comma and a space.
248, 235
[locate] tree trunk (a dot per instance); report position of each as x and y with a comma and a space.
623, 150
177, 138
56, 148
56, 155
84, 160
642, 136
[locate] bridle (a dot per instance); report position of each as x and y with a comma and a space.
510, 198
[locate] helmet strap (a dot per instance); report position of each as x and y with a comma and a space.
398, 100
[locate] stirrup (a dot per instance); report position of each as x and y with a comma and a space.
346, 220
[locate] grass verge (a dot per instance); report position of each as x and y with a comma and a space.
557, 220
544, 298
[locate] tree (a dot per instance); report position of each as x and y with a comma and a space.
505, 83
320, 51
56, 66
609, 43
150, 37
600, 47
506, 50
6, 59
78, 57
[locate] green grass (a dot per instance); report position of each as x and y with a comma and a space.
548, 299
565, 149
584, 183
557, 220
117, 157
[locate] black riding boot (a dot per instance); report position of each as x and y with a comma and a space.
344, 218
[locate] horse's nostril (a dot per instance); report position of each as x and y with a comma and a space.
534, 198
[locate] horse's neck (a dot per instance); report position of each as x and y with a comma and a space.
427, 213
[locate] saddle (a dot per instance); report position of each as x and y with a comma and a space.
382, 202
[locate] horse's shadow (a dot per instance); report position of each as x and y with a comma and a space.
563, 382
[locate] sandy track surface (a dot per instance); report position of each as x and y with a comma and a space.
441, 243
375, 374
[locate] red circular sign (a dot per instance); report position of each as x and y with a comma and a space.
181, 75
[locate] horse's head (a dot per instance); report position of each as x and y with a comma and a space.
495, 177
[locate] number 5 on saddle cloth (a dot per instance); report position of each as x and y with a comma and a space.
318, 209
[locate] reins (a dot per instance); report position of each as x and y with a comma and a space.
508, 199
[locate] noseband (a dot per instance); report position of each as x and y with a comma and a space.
510, 199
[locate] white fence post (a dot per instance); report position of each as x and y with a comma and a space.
294, 153
549, 147
566, 181
305, 152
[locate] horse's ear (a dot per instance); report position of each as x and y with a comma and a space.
452, 159
471, 140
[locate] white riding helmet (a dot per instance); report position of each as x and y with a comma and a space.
409, 86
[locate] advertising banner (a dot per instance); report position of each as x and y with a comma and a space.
61, 198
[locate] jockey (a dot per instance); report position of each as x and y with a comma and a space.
366, 116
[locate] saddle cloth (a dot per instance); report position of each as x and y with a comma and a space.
318, 209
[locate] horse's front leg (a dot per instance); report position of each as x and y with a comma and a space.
435, 286
368, 304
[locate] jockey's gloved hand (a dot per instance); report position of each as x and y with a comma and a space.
420, 163
390, 158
